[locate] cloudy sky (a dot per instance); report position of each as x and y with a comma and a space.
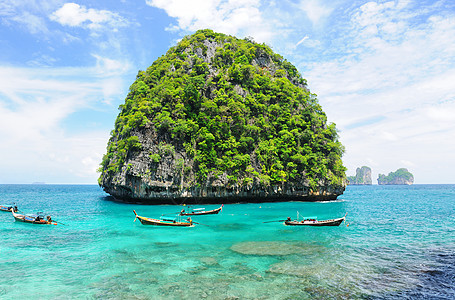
384, 72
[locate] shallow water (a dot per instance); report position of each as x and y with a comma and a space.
400, 243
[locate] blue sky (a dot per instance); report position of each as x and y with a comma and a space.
384, 72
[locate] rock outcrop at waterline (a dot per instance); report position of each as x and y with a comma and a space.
221, 119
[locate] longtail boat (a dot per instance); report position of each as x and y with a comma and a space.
8, 208
200, 211
315, 222
34, 219
163, 222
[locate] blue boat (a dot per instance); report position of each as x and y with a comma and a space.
34, 219
8, 208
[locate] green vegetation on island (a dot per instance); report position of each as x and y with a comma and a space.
220, 109
400, 176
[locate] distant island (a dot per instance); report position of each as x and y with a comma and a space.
362, 176
400, 176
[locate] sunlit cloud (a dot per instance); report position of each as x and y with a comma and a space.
75, 15
241, 18
317, 11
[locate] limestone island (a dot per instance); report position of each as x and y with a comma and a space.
219, 119
401, 176
362, 176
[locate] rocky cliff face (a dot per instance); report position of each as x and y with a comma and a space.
362, 177
221, 120
399, 177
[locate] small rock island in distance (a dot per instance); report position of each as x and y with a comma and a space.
219, 119
400, 176
362, 176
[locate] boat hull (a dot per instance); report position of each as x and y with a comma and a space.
32, 220
208, 212
6, 208
156, 222
334, 222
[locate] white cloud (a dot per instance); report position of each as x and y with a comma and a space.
25, 15
35, 24
32, 106
302, 40
234, 17
107, 66
305, 42
74, 15
317, 11
401, 69
62, 159
36, 103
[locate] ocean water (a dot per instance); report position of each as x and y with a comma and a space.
398, 243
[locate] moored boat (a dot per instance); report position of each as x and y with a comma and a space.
34, 219
163, 222
315, 222
200, 211
8, 208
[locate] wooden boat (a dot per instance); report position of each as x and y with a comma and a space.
315, 222
200, 211
163, 222
34, 219
8, 208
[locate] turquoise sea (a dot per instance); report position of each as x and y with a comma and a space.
400, 244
